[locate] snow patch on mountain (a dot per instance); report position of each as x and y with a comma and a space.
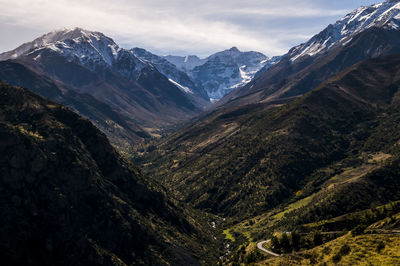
183, 88
178, 77
185, 63
61, 40
92, 50
224, 71
211, 77
386, 14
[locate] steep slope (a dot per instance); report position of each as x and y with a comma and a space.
69, 198
382, 15
92, 50
245, 160
100, 47
365, 33
223, 71
120, 129
92, 63
227, 70
176, 76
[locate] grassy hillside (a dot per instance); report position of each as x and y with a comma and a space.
244, 161
370, 236
371, 249
319, 166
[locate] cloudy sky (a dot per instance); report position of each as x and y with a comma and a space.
177, 27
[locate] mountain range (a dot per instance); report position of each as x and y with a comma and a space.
299, 156
364, 33
303, 146
224, 71
225, 162
93, 64
145, 90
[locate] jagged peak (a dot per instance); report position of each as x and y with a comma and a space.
385, 14
234, 49
191, 57
141, 52
75, 33
59, 36
138, 49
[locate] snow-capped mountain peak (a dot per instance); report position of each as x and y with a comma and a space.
229, 69
211, 77
234, 49
386, 14
70, 34
91, 49
185, 63
223, 71
66, 40
175, 75
81, 44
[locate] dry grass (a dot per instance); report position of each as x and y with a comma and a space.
364, 250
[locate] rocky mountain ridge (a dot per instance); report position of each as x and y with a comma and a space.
224, 71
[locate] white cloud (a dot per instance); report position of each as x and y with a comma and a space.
177, 26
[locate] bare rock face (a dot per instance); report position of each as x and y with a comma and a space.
224, 71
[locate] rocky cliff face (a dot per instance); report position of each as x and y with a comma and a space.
175, 75
224, 71
227, 70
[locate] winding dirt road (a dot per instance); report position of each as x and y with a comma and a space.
260, 246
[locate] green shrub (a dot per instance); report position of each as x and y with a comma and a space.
326, 250
336, 258
381, 246
359, 230
344, 250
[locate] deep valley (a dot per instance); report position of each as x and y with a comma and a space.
119, 156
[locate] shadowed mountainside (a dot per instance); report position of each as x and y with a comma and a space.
119, 128
67, 197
